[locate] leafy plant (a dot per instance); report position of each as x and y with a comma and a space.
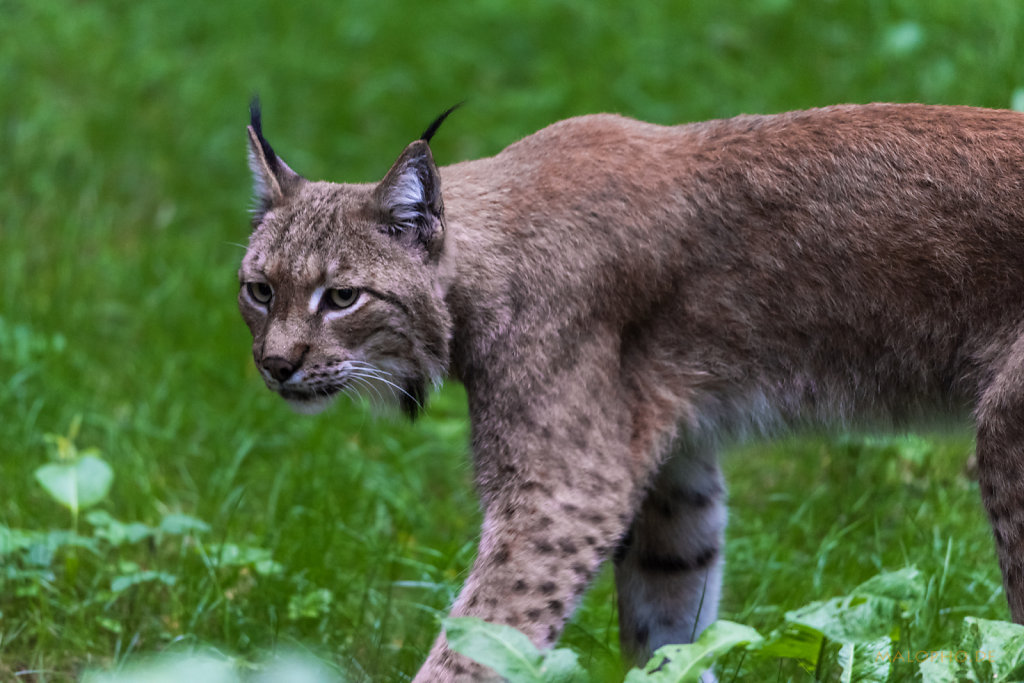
78, 479
860, 633
212, 667
987, 651
686, 663
510, 653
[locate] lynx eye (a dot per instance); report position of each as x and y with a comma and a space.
338, 299
260, 292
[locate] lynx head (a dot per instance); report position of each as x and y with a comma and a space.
339, 284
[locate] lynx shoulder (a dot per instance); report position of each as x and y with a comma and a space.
619, 298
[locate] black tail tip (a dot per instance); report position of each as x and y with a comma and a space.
432, 128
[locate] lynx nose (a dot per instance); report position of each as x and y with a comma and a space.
279, 368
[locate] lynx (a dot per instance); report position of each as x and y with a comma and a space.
620, 298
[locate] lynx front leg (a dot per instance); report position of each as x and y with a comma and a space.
1000, 450
668, 570
537, 555
558, 497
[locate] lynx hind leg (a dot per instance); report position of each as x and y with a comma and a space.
1000, 454
668, 571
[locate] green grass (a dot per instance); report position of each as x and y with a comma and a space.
123, 198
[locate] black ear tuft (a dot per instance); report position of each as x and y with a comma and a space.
432, 128
256, 121
273, 181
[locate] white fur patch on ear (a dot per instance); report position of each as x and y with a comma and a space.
409, 198
261, 188
406, 199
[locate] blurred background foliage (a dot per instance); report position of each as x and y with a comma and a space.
123, 204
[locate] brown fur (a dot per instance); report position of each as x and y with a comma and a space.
617, 296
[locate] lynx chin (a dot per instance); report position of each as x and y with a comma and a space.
620, 298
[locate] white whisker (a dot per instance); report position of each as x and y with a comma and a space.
371, 376
390, 383
363, 365
364, 381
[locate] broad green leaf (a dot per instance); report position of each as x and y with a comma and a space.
866, 662
216, 668
41, 546
137, 531
100, 518
989, 651
12, 540
939, 671
851, 619
797, 642
76, 484
562, 666
115, 532
111, 625
686, 663
170, 669
906, 585
993, 649
502, 648
60, 538
178, 524
122, 583
40, 554
296, 668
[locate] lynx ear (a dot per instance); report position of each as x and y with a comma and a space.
273, 181
410, 198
